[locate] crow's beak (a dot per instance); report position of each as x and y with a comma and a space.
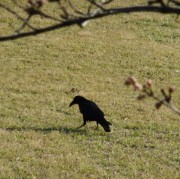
72, 103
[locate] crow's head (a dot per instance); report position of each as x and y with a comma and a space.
106, 126
77, 100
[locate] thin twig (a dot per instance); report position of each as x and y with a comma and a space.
96, 4
169, 105
23, 25
47, 16
75, 9
147, 91
17, 15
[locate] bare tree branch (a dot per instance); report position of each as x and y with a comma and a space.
95, 10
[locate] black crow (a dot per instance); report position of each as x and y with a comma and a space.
91, 112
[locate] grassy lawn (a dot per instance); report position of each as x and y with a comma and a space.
40, 75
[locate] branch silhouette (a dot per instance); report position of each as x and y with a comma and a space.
70, 15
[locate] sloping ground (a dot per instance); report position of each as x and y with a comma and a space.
40, 75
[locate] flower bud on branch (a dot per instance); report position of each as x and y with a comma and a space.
147, 91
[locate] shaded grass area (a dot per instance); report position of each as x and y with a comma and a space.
40, 75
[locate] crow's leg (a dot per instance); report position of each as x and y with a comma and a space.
97, 126
84, 123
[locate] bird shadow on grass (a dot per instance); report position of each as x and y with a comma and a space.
65, 130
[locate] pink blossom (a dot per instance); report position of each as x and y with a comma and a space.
171, 89
149, 83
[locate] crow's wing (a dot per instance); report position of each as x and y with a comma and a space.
91, 111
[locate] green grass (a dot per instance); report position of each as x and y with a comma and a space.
37, 128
